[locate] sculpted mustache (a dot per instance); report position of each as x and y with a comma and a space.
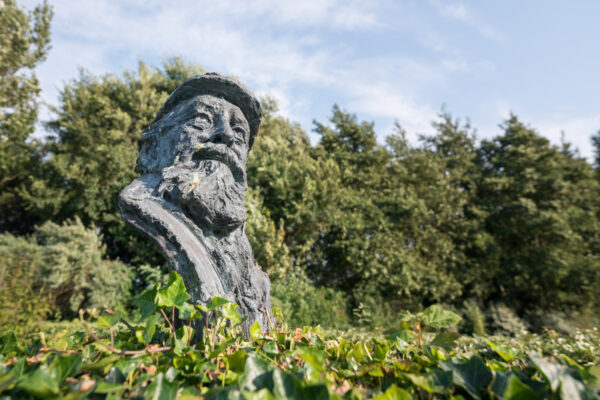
224, 154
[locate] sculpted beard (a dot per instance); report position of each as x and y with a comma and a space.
207, 193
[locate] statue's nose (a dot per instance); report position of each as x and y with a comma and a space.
223, 134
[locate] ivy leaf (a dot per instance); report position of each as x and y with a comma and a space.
188, 312
472, 375
145, 302
64, 366
257, 374
438, 318
161, 389
507, 354
517, 390
213, 304
109, 388
271, 348
236, 361
174, 295
408, 317
315, 357
393, 393
184, 336
287, 386
262, 394
255, 330
39, 383
445, 340
560, 378
230, 312
150, 328
108, 321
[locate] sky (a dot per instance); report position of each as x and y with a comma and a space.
385, 61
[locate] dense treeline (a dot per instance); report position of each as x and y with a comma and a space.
349, 228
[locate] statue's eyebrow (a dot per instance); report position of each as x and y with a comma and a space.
236, 118
194, 109
204, 106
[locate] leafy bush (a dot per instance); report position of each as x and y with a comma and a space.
76, 272
503, 320
267, 241
60, 269
374, 313
24, 301
303, 304
474, 318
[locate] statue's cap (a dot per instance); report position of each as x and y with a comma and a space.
220, 86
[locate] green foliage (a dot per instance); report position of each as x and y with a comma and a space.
76, 273
24, 43
432, 318
475, 319
65, 264
303, 304
499, 222
540, 206
153, 359
504, 320
596, 144
399, 230
373, 313
268, 242
24, 301
297, 189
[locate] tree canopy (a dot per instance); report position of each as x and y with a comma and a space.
24, 43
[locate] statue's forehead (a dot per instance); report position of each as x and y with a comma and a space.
213, 104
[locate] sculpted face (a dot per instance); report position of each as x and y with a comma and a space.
204, 145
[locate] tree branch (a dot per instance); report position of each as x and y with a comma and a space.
111, 312
169, 322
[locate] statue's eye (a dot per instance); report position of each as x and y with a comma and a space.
240, 134
202, 121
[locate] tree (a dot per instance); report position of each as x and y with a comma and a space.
24, 43
454, 149
596, 144
541, 210
392, 235
267, 240
296, 188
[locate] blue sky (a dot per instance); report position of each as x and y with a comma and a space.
384, 60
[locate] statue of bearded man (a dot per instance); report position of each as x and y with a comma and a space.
190, 197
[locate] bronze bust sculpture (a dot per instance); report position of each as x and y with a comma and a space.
190, 197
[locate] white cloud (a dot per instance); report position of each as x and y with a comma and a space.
332, 13
577, 131
460, 12
574, 129
236, 38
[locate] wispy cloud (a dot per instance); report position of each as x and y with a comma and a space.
575, 130
237, 38
462, 13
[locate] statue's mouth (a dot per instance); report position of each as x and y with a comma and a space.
223, 154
